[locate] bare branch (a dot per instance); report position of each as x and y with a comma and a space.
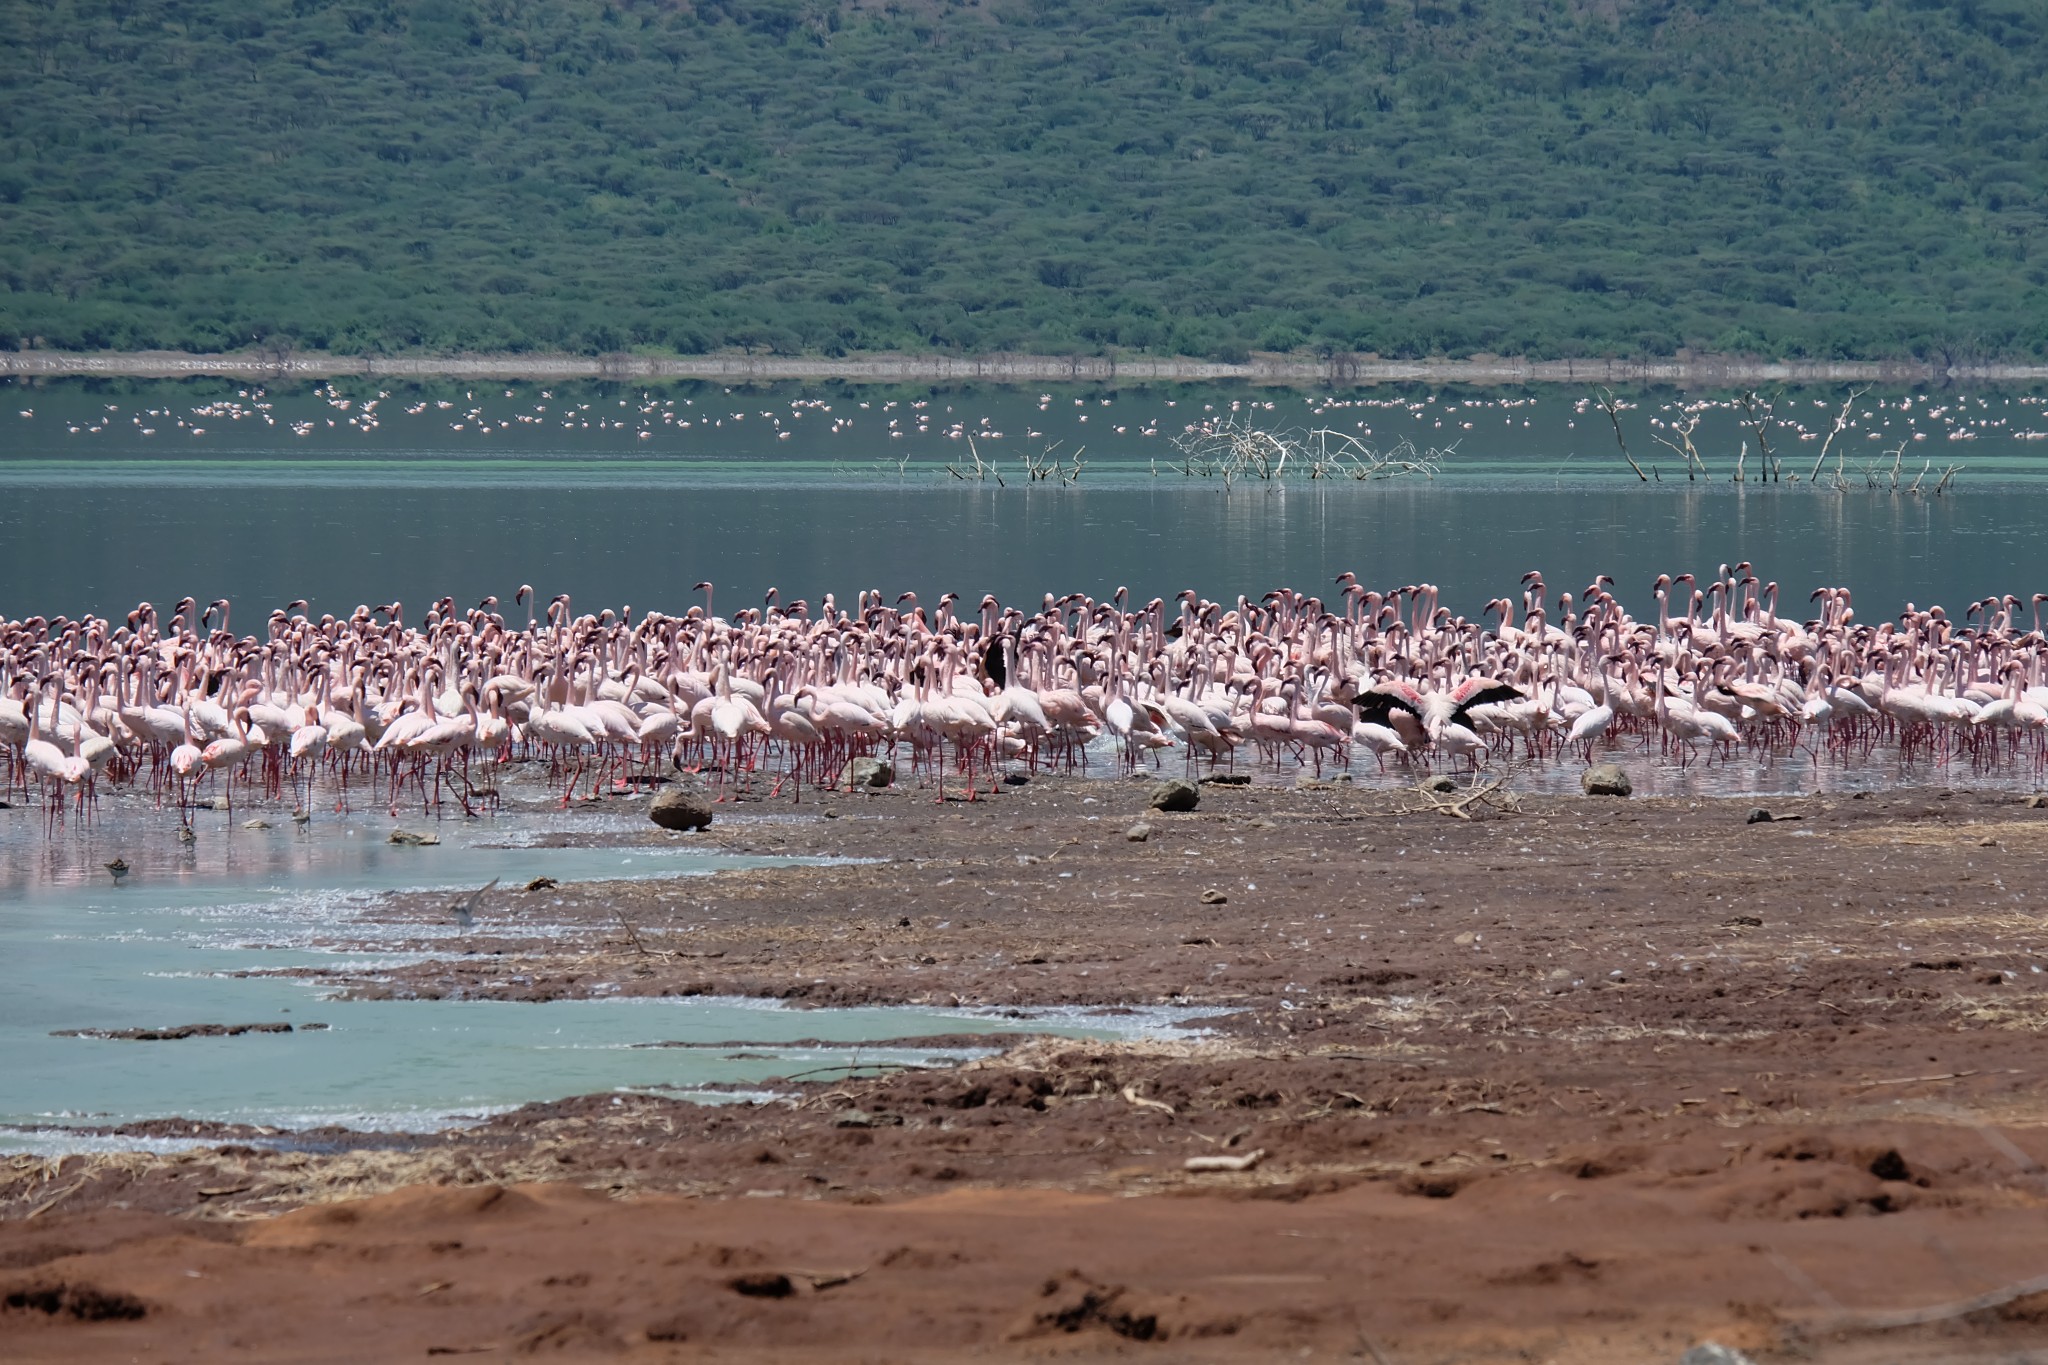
1230, 448
1686, 451
1841, 425
1760, 415
1613, 411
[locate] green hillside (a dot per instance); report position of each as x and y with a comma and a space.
1542, 177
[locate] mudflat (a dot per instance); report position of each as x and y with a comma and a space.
1574, 1079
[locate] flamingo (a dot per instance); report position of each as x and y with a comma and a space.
1593, 723
1394, 673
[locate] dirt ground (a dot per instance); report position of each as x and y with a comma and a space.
1593, 1081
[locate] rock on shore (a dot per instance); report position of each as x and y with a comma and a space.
1605, 779
678, 809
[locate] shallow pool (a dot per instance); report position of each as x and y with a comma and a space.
164, 945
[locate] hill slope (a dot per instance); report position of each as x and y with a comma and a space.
1544, 177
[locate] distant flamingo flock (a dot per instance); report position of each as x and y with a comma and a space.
781, 696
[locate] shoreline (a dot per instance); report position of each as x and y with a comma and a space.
1588, 1109
1283, 371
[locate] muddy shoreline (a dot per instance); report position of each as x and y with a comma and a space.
1342, 370
1594, 1081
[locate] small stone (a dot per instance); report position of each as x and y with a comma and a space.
678, 809
1466, 939
1759, 816
1214, 897
831, 814
1016, 779
255, 824
1176, 794
1605, 779
1987, 842
1714, 1353
2032, 802
1138, 833
1442, 783
762, 1284
411, 839
1227, 780
542, 884
873, 773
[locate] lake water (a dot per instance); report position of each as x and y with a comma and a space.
165, 947
111, 493
800, 490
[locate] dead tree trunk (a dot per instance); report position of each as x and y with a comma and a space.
1613, 411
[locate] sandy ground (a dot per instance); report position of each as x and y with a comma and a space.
1593, 1081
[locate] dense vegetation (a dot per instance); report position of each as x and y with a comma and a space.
1545, 177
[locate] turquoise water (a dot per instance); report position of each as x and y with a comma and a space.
163, 946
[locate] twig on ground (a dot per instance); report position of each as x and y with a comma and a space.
1942, 1312
1130, 1092
861, 1066
1225, 1163
1921, 1080
1491, 794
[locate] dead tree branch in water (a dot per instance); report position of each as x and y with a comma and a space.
1338, 454
1875, 475
1613, 411
1046, 466
1231, 448
984, 470
1685, 451
1758, 417
1841, 425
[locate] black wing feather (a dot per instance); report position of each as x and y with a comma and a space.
1374, 706
1486, 696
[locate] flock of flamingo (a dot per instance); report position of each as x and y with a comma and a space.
781, 691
